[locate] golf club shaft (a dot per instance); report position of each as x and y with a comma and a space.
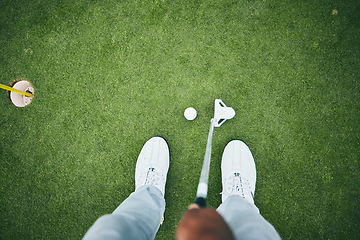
16, 90
204, 177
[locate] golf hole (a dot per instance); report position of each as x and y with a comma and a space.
18, 99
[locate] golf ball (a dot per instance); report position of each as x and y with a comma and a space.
190, 113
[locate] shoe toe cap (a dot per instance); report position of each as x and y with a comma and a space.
155, 153
237, 156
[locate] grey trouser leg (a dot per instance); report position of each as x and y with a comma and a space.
245, 220
138, 217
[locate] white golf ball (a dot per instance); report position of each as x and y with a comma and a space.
190, 113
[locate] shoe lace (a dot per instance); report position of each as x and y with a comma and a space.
153, 177
237, 185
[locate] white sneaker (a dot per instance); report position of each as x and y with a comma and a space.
153, 164
238, 171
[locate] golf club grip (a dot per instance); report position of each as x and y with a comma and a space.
201, 202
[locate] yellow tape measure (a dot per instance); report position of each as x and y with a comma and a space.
15, 90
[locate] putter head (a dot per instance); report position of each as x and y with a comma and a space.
222, 112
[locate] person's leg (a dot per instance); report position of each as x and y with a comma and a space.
139, 216
245, 220
238, 208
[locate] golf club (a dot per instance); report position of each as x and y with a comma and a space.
221, 114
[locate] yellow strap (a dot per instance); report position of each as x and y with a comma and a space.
16, 90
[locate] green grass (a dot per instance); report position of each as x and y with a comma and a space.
108, 75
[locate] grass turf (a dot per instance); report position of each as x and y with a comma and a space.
109, 75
